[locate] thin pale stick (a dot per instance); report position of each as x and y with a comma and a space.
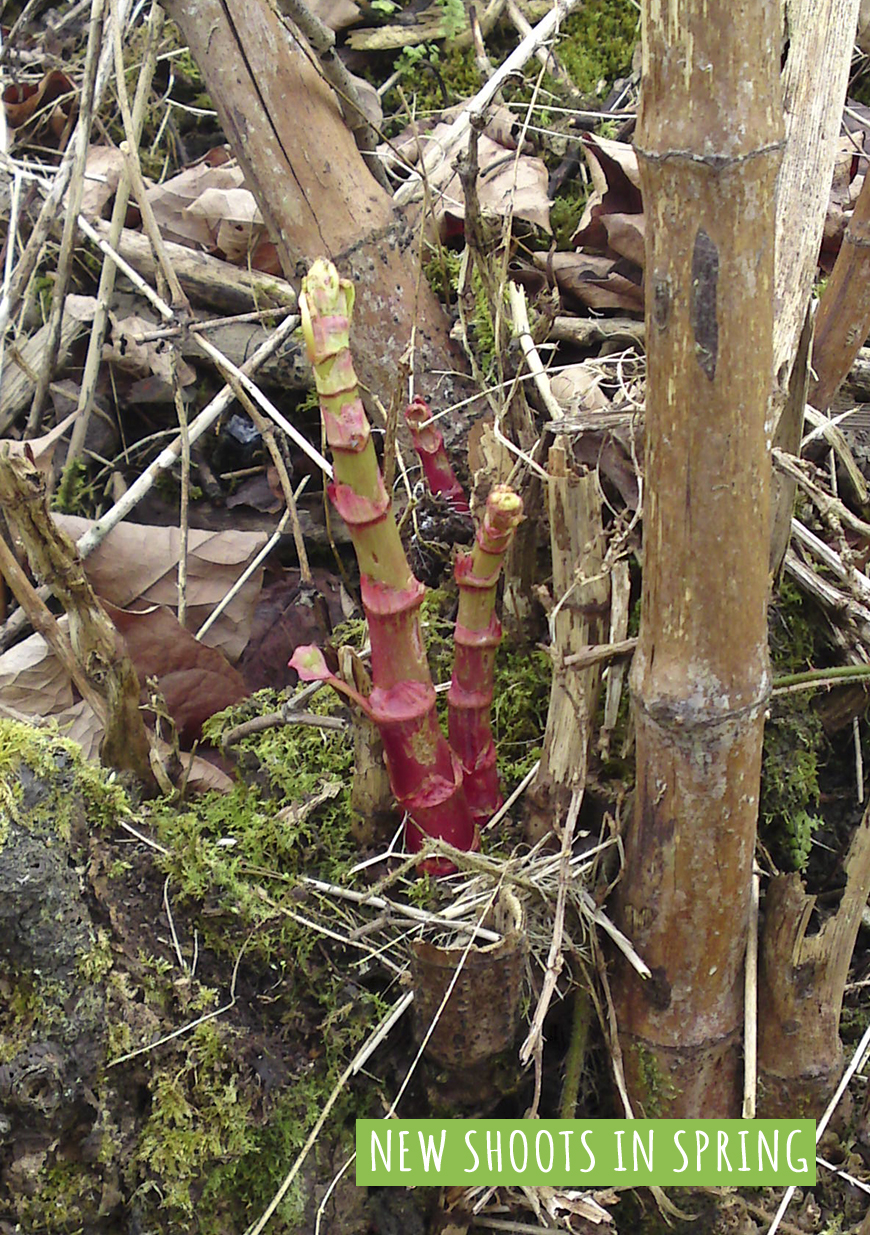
51, 207
445, 148
750, 1002
116, 225
520, 315
67, 245
554, 960
182, 963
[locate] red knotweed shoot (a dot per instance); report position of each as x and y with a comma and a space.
477, 636
425, 774
429, 444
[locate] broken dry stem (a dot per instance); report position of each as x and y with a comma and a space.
52, 206
843, 318
107, 273
184, 497
826, 505
67, 244
44, 623
95, 642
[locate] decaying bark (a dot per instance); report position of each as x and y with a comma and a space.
98, 647
820, 37
843, 319
709, 146
581, 593
787, 438
313, 188
24, 363
820, 34
207, 280
802, 978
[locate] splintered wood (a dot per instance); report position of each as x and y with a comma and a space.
581, 592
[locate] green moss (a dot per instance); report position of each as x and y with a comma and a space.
225, 846
57, 762
212, 1158
198, 1116
442, 271
597, 42
565, 213
436, 76
93, 966
30, 1003
74, 490
441, 268
658, 1091
794, 740
67, 1193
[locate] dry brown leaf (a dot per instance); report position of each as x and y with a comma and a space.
606, 158
196, 681
171, 201
337, 14
616, 191
41, 448
577, 388
22, 102
233, 219
139, 562
598, 282
503, 127
32, 680
625, 235
34, 687
102, 173
79, 722
203, 776
505, 180
144, 359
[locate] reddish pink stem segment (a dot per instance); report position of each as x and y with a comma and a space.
477, 636
429, 444
425, 774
